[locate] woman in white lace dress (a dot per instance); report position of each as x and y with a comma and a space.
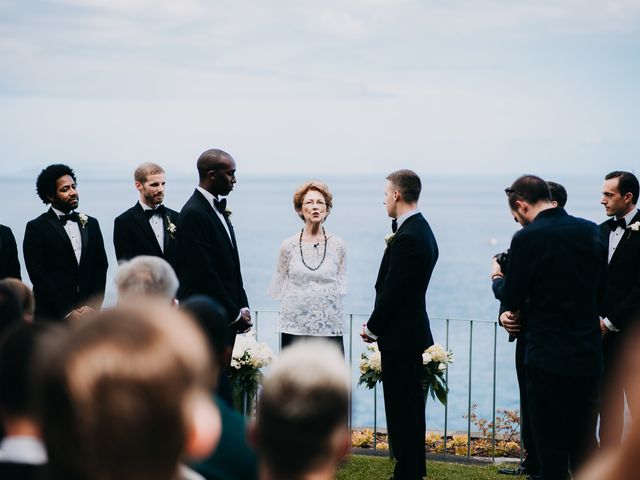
310, 277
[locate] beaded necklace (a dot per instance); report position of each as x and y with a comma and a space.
324, 254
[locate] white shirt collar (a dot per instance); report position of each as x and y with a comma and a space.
58, 212
629, 216
23, 449
208, 195
147, 207
402, 218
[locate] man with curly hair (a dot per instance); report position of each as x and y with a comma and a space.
64, 251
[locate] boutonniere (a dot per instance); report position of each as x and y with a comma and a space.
388, 238
171, 228
83, 219
227, 212
634, 227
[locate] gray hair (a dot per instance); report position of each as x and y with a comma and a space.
146, 276
306, 397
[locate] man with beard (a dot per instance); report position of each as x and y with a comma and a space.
147, 228
555, 279
621, 307
208, 261
64, 251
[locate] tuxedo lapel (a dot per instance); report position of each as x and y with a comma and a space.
218, 222
143, 225
624, 241
57, 227
167, 235
84, 238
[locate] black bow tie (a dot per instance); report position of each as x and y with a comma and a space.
614, 224
69, 217
394, 225
221, 205
160, 210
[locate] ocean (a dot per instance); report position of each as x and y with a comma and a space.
468, 214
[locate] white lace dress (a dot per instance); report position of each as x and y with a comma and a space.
311, 301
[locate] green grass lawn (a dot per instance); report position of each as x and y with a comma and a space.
374, 468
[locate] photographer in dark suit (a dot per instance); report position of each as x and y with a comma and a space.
621, 307
9, 263
555, 279
147, 228
399, 322
64, 251
515, 327
208, 261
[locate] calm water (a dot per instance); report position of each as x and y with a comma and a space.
468, 215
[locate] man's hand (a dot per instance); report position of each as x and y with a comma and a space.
244, 323
496, 271
511, 322
82, 312
366, 338
603, 328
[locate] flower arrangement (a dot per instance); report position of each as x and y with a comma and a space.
171, 228
435, 361
248, 357
83, 219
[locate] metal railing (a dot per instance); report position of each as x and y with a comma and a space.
265, 331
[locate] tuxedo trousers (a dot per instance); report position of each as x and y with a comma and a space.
564, 413
531, 462
404, 404
613, 392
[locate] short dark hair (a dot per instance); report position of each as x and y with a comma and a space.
17, 352
529, 188
627, 183
558, 193
10, 308
408, 184
212, 318
46, 183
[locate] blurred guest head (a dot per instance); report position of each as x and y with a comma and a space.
10, 309
301, 424
146, 277
214, 322
126, 395
558, 194
17, 352
25, 296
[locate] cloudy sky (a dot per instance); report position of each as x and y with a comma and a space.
448, 86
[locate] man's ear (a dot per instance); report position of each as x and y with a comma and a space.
628, 198
522, 205
138, 185
204, 427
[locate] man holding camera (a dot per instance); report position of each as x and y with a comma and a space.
555, 279
514, 326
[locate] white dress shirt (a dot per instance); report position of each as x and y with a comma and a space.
157, 225
22, 449
210, 198
73, 231
614, 240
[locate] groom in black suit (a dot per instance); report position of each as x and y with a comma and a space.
555, 279
64, 251
399, 322
147, 228
208, 261
621, 307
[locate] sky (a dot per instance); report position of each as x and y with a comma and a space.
331, 87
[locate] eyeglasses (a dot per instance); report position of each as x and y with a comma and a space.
510, 191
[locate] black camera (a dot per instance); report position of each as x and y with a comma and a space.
502, 258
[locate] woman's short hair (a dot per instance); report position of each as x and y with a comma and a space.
302, 190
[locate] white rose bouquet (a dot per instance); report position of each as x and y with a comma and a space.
435, 361
248, 357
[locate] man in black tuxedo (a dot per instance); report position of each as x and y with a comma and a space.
555, 279
208, 261
9, 263
515, 327
147, 228
399, 322
621, 307
64, 251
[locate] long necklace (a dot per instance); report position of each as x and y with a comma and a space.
324, 254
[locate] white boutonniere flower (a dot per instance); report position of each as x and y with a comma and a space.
227, 213
171, 228
83, 219
388, 238
634, 227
